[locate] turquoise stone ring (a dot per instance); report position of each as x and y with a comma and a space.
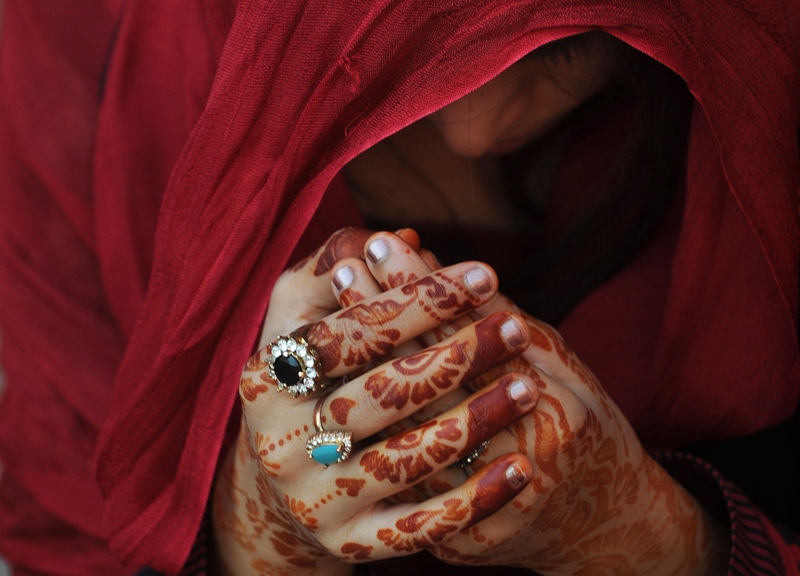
328, 446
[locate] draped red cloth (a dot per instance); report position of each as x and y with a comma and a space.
161, 161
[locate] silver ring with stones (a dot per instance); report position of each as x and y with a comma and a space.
295, 366
328, 446
471, 457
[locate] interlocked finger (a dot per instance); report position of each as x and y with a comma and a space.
409, 528
399, 388
368, 330
394, 464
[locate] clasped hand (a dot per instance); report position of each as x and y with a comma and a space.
432, 363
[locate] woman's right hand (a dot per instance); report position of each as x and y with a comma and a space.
277, 511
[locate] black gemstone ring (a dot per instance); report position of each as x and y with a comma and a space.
295, 366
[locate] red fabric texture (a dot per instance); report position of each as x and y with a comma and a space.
161, 162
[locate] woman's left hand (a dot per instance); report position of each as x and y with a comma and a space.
598, 504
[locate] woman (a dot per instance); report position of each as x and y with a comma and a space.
274, 101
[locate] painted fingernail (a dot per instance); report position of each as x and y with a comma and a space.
516, 476
377, 250
343, 278
512, 333
523, 393
478, 280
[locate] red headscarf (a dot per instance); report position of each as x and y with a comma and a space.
162, 161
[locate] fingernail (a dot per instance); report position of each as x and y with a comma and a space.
516, 476
377, 250
478, 280
343, 278
523, 393
512, 333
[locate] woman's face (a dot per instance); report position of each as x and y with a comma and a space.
522, 103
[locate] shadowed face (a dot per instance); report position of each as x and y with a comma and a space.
523, 102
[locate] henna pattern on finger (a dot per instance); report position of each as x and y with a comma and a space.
374, 336
355, 551
346, 243
340, 408
457, 361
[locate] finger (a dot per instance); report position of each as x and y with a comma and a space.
392, 261
302, 293
352, 282
394, 464
409, 528
399, 388
370, 329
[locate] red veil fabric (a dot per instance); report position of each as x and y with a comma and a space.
161, 161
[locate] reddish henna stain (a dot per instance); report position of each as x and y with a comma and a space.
415, 522
349, 296
410, 438
546, 445
352, 485
346, 243
395, 280
448, 430
356, 551
488, 414
440, 452
280, 442
387, 390
491, 350
418, 363
392, 334
538, 337
422, 392
340, 408
250, 390
327, 343
492, 492
255, 363
406, 469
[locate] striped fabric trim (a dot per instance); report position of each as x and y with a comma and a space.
753, 551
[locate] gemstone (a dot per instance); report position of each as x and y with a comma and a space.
287, 370
329, 447
326, 454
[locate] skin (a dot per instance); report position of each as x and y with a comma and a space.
276, 512
598, 504
564, 486
521, 104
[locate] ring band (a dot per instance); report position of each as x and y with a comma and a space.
295, 366
328, 446
471, 457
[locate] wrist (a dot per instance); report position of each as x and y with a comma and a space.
694, 542
251, 535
